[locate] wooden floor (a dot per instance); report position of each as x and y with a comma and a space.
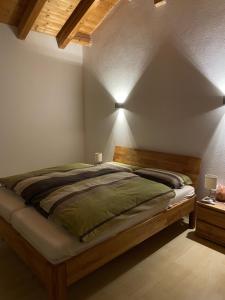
174, 264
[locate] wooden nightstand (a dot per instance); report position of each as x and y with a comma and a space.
210, 221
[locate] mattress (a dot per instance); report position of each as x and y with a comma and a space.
55, 243
9, 204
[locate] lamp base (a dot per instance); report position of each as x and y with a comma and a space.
208, 200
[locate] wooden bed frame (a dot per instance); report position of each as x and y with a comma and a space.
57, 278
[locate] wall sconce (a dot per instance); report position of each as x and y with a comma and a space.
159, 3
119, 105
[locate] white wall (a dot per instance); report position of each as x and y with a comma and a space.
41, 108
168, 64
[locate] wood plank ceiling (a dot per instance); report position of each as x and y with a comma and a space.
67, 20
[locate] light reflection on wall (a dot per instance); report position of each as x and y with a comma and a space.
213, 157
208, 54
214, 72
221, 85
121, 133
129, 63
120, 81
121, 95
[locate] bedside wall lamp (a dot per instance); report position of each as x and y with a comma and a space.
119, 105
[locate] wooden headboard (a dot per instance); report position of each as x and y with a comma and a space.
173, 162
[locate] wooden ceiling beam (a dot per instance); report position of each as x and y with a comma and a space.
82, 39
71, 27
29, 17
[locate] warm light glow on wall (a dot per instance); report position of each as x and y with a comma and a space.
221, 86
120, 80
121, 116
208, 55
121, 133
120, 95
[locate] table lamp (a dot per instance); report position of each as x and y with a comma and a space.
210, 185
98, 158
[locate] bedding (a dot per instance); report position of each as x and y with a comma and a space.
84, 200
59, 277
172, 179
130, 167
57, 244
10, 181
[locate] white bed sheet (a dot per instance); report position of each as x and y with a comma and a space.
55, 243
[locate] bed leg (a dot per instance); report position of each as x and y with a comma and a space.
192, 217
57, 289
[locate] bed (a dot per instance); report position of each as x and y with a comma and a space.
60, 265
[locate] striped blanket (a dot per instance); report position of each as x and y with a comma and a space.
174, 180
84, 200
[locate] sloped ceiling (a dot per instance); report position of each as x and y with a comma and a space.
67, 20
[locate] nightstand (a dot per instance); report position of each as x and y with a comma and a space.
210, 221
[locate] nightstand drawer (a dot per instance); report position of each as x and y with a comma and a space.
211, 232
211, 216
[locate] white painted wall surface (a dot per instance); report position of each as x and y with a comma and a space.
41, 108
168, 65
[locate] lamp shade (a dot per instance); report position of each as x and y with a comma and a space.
98, 158
210, 182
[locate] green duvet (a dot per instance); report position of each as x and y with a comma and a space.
83, 199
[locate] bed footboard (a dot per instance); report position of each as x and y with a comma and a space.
53, 277
57, 278
57, 287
